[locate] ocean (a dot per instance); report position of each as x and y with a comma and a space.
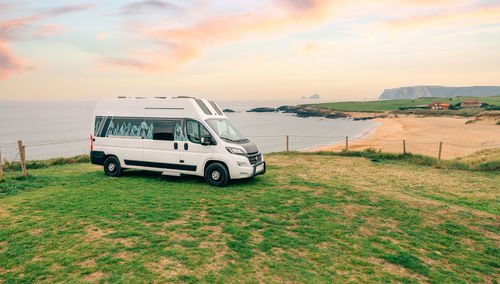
51, 129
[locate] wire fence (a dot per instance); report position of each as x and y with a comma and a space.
43, 150
439, 149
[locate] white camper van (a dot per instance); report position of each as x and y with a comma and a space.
175, 136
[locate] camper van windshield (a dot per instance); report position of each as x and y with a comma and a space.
226, 130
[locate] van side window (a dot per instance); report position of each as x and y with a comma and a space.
195, 131
124, 126
163, 129
97, 125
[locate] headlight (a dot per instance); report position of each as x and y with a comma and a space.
237, 151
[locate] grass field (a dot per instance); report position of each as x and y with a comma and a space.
392, 105
311, 218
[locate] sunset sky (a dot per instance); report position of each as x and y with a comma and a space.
244, 49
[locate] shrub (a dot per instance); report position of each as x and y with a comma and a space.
16, 166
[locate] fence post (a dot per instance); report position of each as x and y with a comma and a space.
439, 154
1, 167
404, 147
347, 144
22, 155
287, 143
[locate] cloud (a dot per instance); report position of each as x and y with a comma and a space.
147, 6
22, 29
8, 63
127, 63
179, 45
446, 19
66, 9
102, 36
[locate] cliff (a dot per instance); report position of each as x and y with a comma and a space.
439, 92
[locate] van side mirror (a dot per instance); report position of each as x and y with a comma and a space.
206, 140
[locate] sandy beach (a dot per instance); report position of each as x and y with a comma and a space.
423, 134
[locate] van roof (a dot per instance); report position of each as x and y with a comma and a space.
175, 107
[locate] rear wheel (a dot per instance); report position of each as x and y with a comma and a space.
112, 167
217, 175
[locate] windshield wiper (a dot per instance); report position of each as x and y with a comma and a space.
228, 139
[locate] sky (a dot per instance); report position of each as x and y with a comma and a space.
244, 49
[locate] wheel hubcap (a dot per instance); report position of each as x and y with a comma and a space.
215, 175
111, 167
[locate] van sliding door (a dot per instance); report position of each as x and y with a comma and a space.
161, 147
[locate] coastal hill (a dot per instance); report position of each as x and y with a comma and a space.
439, 92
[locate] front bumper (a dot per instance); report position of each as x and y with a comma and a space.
260, 172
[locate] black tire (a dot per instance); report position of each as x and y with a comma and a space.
217, 175
112, 166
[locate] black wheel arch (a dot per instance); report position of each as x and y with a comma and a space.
210, 162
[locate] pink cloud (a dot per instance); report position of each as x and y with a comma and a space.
22, 29
183, 44
446, 19
102, 36
8, 63
127, 63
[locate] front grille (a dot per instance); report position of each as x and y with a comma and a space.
254, 159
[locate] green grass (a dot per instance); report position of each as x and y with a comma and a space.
393, 105
311, 218
38, 164
488, 159
483, 160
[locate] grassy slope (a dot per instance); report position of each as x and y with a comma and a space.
390, 105
311, 218
480, 157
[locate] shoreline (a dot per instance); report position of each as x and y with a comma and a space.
422, 135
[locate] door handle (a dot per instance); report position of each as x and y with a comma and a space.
186, 146
176, 146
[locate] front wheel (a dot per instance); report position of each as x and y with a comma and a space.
112, 167
217, 175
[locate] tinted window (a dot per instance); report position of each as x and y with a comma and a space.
203, 107
97, 125
217, 109
131, 127
193, 131
164, 129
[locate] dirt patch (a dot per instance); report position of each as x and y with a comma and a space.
351, 210
4, 212
87, 263
396, 269
125, 242
365, 232
179, 236
125, 255
3, 246
168, 268
94, 233
35, 232
175, 222
94, 277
